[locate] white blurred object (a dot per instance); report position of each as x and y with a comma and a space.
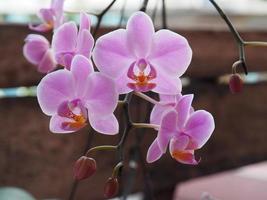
207, 196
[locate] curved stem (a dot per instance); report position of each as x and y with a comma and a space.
147, 98
145, 125
101, 148
240, 42
255, 43
101, 15
117, 169
228, 22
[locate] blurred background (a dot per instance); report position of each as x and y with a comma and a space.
233, 161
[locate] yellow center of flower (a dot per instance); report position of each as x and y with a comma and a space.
78, 122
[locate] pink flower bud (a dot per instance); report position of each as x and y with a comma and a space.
235, 83
84, 167
111, 188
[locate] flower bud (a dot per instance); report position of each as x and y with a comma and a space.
84, 167
111, 187
235, 83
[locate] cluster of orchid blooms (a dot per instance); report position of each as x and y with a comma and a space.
132, 60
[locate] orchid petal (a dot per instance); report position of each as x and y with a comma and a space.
65, 38
121, 83
171, 99
167, 129
107, 124
44, 27
183, 109
85, 43
81, 67
154, 152
55, 88
167, 85
199, 127
141, 88
101, 96
109, 49
56, 125
65, 59
140, 32
85, 22
57, 6
158, 112
170, 52
47, 15
179, 144
35, 48
185, 157
47, 64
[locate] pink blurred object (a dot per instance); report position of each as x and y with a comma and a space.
246, 183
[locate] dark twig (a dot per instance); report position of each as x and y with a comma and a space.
144, 6
101, 15
122, 13
128, 124
238, 38
164, 16
154, 12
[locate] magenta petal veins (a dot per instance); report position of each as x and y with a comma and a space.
51, 17
140, 59
182, 128
71, 97
68, 41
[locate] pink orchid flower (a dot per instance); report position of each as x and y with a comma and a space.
184, 129
68, 41
51, 17
38, 52
141, 59
74, 97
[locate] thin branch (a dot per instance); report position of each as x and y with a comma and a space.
238, 38
122, 13
101, 15
144, 6
147, 98
128, 125
164, 16
154, 12
255, 43
145, 125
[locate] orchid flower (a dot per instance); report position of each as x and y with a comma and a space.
38, 52
51, 17
183, 130
141, 59
68, 41
74, 97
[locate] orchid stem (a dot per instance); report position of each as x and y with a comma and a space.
117, 169
101, 148
101, 15
255, 43
145, 125
147, 98
238, 38
144, 6
164, 17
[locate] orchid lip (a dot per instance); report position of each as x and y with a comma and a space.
74, 112
142, 80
